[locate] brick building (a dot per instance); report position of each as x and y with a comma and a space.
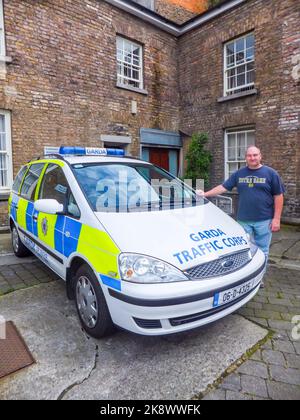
144, 75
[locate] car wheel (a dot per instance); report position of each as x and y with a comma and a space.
91, 304
19, 248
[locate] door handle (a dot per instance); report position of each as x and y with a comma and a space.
35, 218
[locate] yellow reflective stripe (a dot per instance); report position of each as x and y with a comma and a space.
98, 247
55, 161
21, 212
38, 185
9, 203
47, 234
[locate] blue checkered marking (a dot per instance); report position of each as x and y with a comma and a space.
35, 222
29, 214
71, 242
13, 207
109, 281
216, 300
59, 234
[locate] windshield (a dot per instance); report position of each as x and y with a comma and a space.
118, 187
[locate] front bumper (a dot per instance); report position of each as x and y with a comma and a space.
158, 309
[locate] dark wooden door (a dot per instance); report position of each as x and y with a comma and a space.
160, 157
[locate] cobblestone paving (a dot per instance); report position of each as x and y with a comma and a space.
20, 276
272, 372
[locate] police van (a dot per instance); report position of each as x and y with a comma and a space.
137, 247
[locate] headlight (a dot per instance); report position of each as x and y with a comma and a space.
252, 244
142, 269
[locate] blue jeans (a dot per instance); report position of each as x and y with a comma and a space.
261, 233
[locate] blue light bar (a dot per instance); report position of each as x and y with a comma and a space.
89, 151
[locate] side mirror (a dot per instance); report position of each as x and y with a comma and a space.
49, 206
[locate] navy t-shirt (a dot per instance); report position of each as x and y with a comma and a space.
256, 188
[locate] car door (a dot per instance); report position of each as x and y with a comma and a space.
26, 216
58, 232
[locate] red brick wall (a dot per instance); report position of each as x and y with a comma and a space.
274, 111
179, 11
61, 86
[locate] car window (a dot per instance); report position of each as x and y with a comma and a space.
55, 186
19, 178
132, 187
31, 180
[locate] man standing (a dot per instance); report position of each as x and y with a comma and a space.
260, 198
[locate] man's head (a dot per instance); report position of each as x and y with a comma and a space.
253, 157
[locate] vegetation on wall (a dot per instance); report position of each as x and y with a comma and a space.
198, 159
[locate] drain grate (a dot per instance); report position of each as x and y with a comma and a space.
14, 353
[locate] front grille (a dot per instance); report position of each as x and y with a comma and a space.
220, 267
148, 323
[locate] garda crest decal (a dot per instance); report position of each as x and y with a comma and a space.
45, 226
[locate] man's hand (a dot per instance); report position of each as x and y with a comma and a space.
200, 193
275, 225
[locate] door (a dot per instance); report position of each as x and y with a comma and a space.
59, 232
165, 158
26, 215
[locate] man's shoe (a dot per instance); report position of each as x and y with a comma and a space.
262, 285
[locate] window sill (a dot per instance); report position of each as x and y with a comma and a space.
4, 196
238, 95
132, 89
5, 59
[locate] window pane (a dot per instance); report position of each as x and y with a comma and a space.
54, 185
241, 80
31, 180
230, 60
3, 170
232, 167
240, 55
18, 180
250, 138
250, 77
2, 142
2, 124
241, 139
129, 63
250, 41
230, 48
240, 45
231, 140
250, 54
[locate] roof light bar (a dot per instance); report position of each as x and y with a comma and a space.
84, 151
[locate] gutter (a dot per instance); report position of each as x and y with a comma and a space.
166, 24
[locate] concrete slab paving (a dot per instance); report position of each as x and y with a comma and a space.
123, 366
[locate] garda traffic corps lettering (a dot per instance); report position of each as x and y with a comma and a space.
206, 242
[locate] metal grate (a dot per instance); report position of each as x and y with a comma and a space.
148, 323
221, 266
14, 354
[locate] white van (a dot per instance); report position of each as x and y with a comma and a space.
149, 257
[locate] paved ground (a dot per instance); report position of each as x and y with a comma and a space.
123, 366
269, 371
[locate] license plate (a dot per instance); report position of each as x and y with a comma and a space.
222, 298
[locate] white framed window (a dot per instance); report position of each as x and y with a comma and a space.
6, 170
236, 143
2, 37
239, 71
130, 63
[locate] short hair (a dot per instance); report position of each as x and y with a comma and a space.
249, 147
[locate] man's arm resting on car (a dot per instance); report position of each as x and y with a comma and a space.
278, 206
211, 193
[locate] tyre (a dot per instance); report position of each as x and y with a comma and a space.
91, 304
19, 248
